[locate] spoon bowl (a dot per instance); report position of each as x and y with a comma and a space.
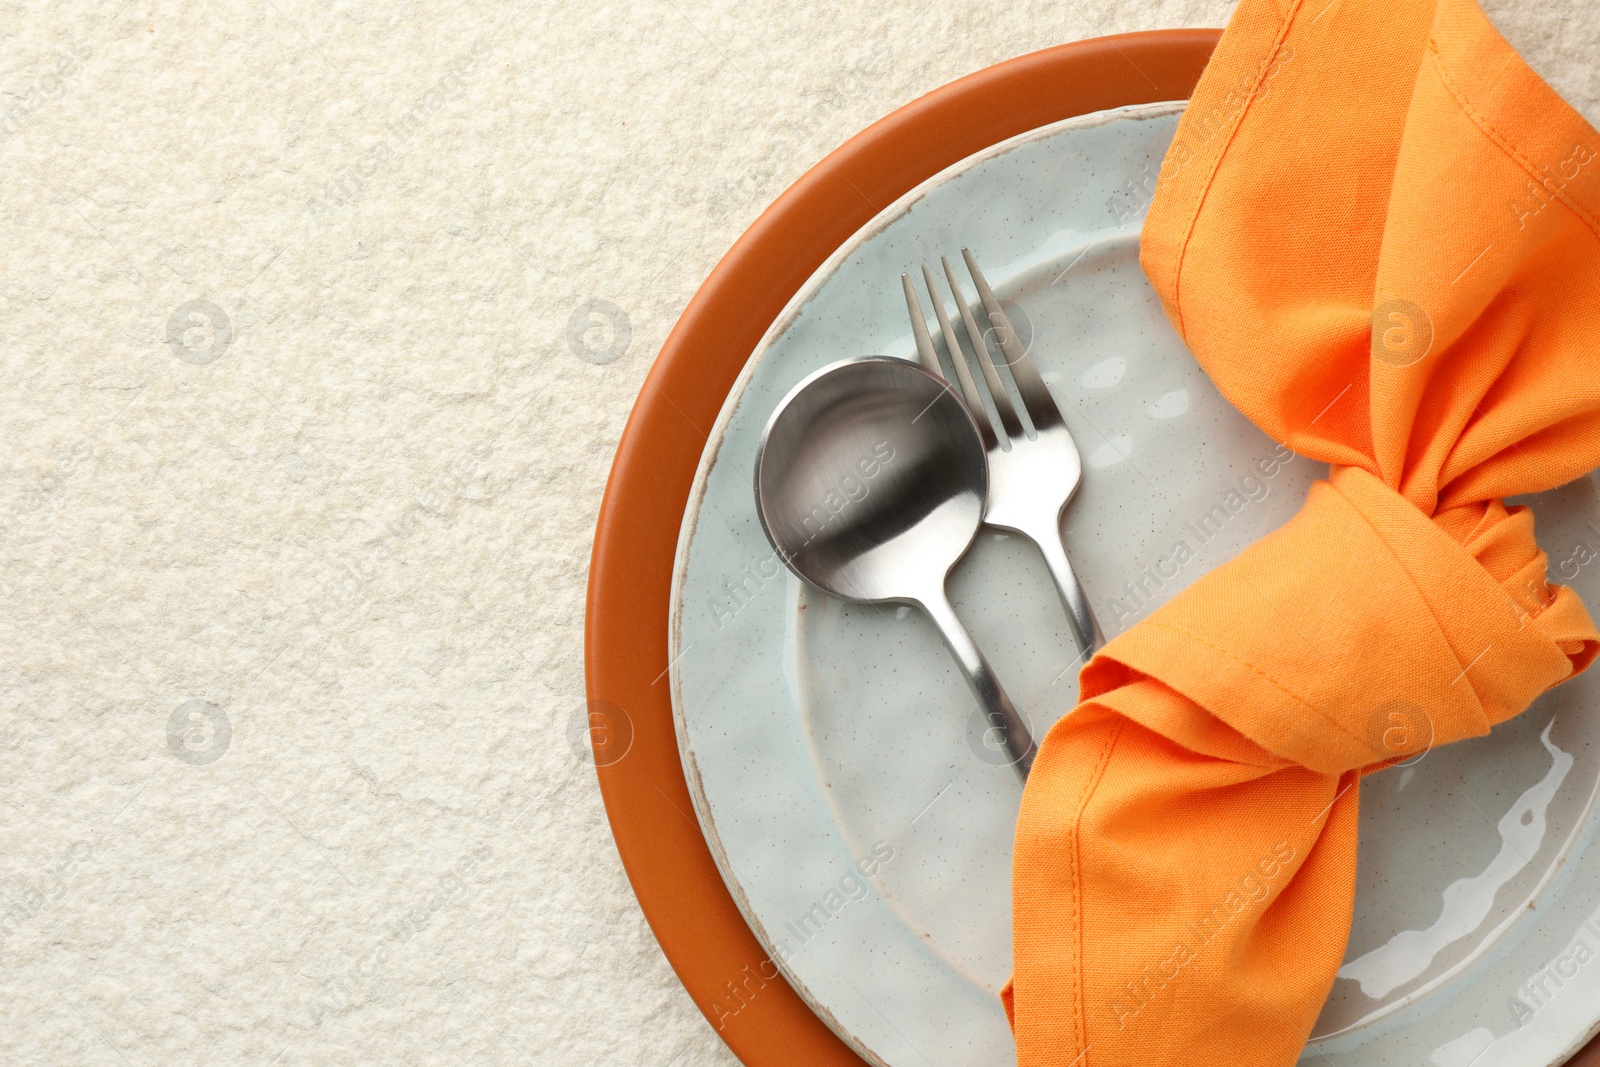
870, 480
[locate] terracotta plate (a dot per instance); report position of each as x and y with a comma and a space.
721, 963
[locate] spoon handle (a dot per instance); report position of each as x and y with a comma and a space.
1002, 714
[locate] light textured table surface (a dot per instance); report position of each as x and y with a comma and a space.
307, 410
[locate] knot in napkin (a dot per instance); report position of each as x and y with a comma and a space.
1359, 632
1379, 232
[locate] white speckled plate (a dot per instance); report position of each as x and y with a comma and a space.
838, 764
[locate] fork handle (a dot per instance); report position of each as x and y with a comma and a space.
1003, 716
1085, 629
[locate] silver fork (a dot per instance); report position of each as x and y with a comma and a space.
1031, 478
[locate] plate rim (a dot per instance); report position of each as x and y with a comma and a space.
663, 850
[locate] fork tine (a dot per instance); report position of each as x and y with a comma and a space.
969, 388
1036, 398
997, 390
919, 328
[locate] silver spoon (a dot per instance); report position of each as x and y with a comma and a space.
870, 483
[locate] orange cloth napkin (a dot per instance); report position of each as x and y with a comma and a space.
1379, 232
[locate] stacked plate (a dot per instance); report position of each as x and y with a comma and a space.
844, 780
